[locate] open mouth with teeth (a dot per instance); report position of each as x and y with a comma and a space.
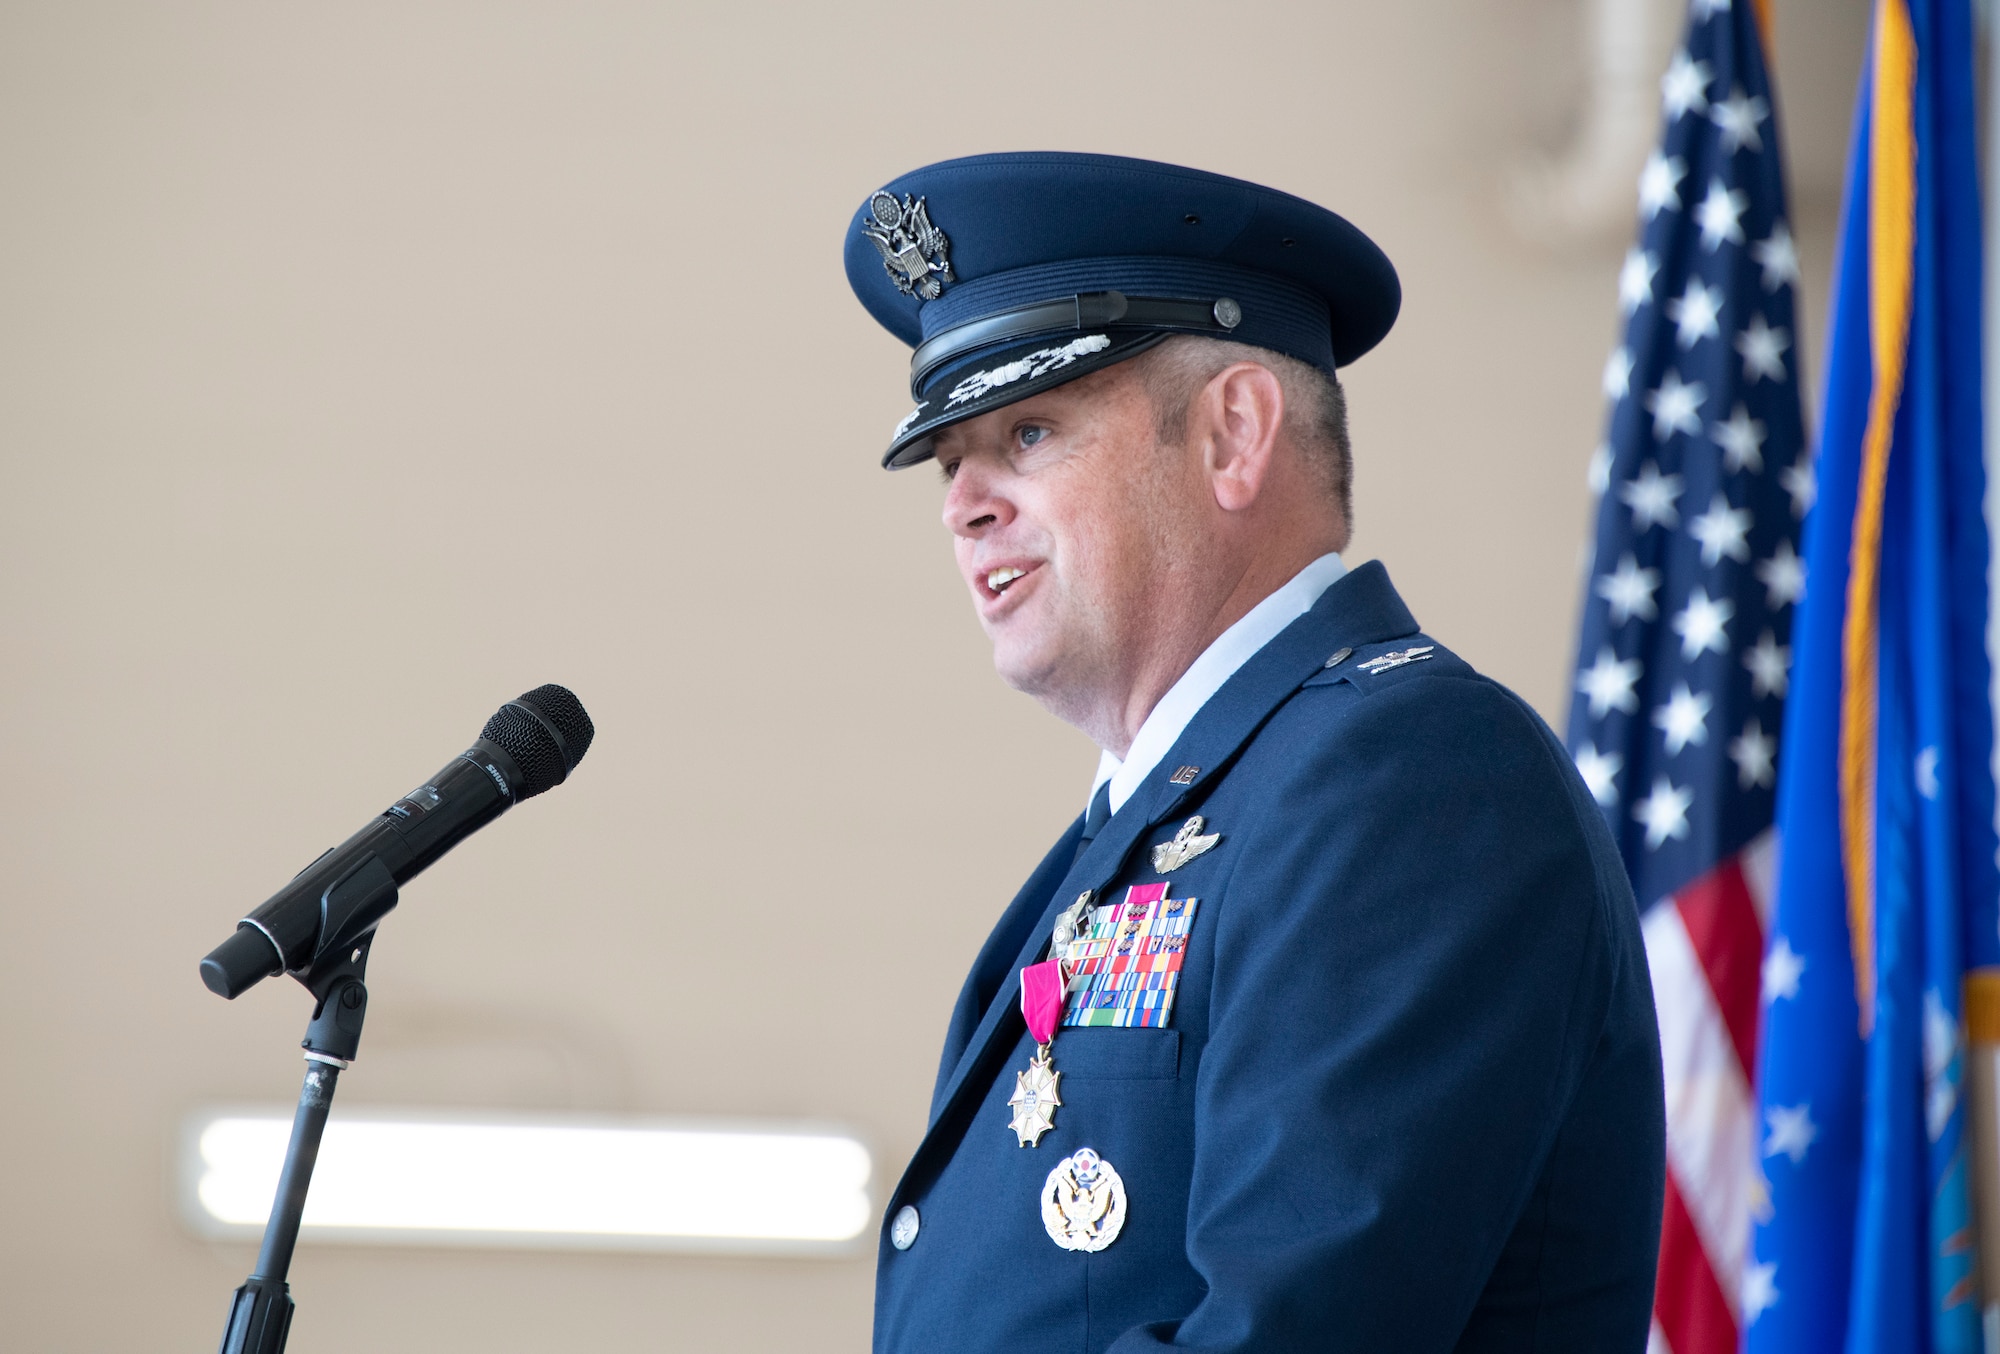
997, 580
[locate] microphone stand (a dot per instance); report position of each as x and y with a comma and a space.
260, 1317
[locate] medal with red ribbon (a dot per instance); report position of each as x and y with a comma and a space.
1035, 1098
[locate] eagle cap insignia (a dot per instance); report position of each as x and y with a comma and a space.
915, 253
1083, 1202
1186, 845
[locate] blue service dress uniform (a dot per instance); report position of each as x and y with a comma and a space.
1408, 1095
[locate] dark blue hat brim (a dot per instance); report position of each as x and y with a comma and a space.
1007, 375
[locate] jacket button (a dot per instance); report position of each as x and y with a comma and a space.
903, 1231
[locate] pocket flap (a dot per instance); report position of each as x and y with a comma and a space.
1118, 1054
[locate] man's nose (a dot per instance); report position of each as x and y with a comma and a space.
973, 504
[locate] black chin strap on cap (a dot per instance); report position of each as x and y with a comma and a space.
1085, 310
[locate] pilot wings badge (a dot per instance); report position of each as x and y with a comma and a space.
1083, 1202
1186, 845
915, 252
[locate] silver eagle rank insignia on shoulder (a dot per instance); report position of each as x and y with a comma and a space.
1186, 845
915, 252
1382, 663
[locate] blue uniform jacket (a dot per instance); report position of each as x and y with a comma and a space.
1409, 1095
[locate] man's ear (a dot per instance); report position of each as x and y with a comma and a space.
1238, 416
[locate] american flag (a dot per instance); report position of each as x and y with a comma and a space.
1683, 657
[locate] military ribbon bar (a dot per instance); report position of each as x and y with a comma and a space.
1125, 962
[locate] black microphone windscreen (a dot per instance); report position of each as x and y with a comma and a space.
546, 739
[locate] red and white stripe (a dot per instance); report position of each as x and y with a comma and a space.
1705, 946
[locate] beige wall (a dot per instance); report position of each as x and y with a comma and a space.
362, 365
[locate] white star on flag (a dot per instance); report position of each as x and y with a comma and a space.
1629, 590
1736, 119
1777, 256
1770, 665
1599, 474
1675, 406
1942, 1045
1600, 772
1694, 313
1783, 575
1635, 279
1720, 215
1927, 773
1801, 484
1608, 683
1756, 756
1664, 812
1617, 374
1683, 719
1651, 497
1704, 10
1763, 350
1659, 184
1700, 625
1760, 1291
1741, 440
1792, 1131
1685, 86
1722, 530
1782, 970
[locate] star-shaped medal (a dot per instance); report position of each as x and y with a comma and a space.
1035, 1100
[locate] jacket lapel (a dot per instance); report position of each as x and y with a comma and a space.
989, 971
1359, 610
1362, 608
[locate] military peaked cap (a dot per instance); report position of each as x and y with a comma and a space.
1009, 274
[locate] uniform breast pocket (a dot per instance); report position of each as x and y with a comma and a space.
1118, 1054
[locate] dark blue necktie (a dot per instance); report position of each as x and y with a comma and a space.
1095, 819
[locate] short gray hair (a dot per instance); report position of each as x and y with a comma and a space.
1315, 406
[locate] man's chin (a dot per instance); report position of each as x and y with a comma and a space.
1059, 687
1028, 663
1024, 672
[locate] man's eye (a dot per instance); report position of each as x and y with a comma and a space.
948, 469
1032, 434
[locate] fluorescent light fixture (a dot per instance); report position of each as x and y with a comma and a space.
438, 1179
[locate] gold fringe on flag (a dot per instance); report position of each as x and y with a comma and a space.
1892, 195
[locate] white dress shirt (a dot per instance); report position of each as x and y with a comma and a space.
1205, 676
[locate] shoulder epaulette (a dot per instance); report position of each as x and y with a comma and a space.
1375, 665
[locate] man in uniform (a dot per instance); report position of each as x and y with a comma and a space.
1328, 1026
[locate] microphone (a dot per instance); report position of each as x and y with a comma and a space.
530, 745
